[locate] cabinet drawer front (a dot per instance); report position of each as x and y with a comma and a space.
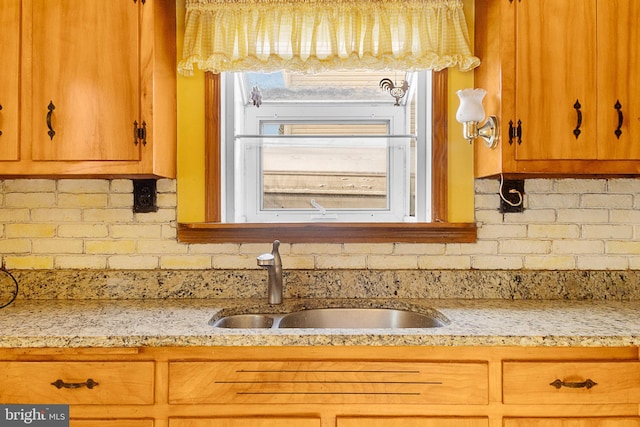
381, 421
111, 423
328, 382
96, 383
245, 422
572, 422
571, 383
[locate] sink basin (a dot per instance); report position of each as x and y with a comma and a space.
358, 318
245, 321
339, 318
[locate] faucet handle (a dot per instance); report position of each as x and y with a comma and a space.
265, 260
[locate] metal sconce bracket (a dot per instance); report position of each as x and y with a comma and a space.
489, 132
145, 196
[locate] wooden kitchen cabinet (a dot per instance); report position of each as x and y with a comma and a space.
575, 422
86, 89
410, 422
9, 75
328, 382
331, 386
246, 422
560, 77
571, 382
538, 383
340, 422
73, 382
555, 68
111, 423
104, 387
618, 67
97, 89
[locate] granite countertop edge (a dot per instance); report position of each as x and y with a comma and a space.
187, 322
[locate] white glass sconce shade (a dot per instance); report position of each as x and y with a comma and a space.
471, 112
470, 109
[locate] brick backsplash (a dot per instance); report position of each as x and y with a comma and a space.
567, 224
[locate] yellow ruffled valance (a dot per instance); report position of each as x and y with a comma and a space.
318, 35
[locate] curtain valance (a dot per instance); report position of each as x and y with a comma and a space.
317, 35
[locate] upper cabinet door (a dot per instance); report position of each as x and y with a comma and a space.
9, 75
555, 79
618, 83
85, 79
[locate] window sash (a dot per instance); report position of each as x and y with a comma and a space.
249, 178
245, 205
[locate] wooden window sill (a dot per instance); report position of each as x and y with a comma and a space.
439, 232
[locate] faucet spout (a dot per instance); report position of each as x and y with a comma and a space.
273, 263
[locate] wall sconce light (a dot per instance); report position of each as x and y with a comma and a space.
470, 113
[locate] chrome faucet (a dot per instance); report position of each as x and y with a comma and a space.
273, 263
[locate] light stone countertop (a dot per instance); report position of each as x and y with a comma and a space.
186, 322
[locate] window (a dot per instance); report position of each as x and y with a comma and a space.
313, 36
214, 230
331, 146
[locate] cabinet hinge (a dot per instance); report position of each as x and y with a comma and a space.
515, 132
139, 133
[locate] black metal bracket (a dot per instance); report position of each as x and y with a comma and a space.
145, 196
515, 132
511, 196
139, 133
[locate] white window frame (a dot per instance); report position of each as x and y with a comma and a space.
242, 189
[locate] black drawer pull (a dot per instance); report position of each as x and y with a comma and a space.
577, 107
51, 132
88, 384
585, 384
618, 108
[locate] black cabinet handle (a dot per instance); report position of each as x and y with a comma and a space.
0, 110
618, 108
135, 132
585, 384
61, 384
50, 107
577, 107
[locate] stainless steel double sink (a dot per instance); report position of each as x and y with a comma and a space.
336, 317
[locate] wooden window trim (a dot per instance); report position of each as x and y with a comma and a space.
215, 231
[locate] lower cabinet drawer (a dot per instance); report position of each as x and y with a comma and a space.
290, 421
411, 422
97, 383
572, 422
571, 382
328, 382
111, 423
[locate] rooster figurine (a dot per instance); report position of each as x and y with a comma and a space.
396, 91
256, 96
